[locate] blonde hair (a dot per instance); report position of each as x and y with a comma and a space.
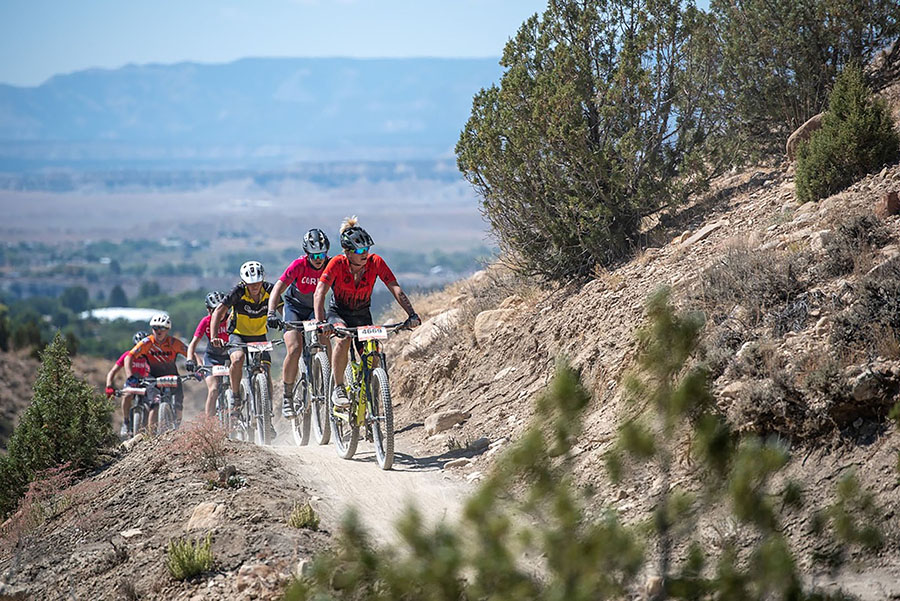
348, 223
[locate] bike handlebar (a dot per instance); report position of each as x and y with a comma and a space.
343, 332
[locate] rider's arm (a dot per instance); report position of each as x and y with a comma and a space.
319, 300
111, 376
192, 349
275, 295
214, 320
128, 360
401, 297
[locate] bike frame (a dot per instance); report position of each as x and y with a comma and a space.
361, 369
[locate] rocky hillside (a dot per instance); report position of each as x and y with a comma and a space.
800, 302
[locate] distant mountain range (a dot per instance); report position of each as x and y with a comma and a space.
252, 112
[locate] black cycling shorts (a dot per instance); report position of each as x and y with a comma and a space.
215, 358
240, 339
294, 312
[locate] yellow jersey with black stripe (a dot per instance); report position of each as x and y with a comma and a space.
248, 316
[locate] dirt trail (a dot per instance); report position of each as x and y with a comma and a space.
380, 497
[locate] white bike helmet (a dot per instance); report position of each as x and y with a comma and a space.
252, 272
214, 299
161, 320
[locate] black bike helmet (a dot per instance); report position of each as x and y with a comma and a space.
138, 336
315, 241
214, 299
355, 237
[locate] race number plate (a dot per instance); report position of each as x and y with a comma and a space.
167, 382
309, 326
372, 333
258, 347
219, 370
132, 390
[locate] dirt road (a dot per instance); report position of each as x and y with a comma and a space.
379, 497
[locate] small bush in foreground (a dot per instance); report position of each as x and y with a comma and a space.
857, 137
203, 441
185, 558
303, 516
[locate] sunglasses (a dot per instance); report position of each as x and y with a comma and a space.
316, 256
158, 328
361, 251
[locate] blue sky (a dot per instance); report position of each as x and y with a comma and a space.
41, 38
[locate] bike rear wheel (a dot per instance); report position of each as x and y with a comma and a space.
319, 390
382, 418
262, 405
346, 434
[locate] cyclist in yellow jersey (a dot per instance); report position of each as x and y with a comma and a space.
248, 303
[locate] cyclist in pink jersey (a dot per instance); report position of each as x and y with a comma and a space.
298, 282
214, 355
139, 368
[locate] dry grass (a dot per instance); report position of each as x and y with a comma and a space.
203, 441
185, 558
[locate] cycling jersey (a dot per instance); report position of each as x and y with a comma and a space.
139, 365
350, 295
248, 317
203, 330
159, 355
301, 279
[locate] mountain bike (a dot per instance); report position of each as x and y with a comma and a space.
369, 391
156, 391
221, 374
310, 393
253, 422
140, 409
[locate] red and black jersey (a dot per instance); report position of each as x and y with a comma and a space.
350, 295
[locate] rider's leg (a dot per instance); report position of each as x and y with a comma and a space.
237, 364
179, 403
212, 386
293, 343
126, 410
339, 360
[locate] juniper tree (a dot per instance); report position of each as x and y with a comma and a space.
606, 112
857, 137
67, 421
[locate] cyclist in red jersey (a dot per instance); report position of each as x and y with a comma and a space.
139, 368
160, 350
298, 282
214, 355
352, 277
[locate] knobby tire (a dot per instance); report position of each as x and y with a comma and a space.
320, 397
382, 415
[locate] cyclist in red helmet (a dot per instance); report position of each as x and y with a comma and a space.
351, 276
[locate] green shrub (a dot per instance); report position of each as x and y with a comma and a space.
303, 516
857, 137
584, 135
65, 422
185, 558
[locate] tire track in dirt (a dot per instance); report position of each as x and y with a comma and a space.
379, 497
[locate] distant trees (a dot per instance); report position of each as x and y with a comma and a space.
857, 137
75, 298
606, 113
117, 297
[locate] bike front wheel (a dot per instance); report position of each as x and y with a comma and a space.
320, 397
261, 409
381, 418
344, 428
138, 421
166, 419
300, 422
